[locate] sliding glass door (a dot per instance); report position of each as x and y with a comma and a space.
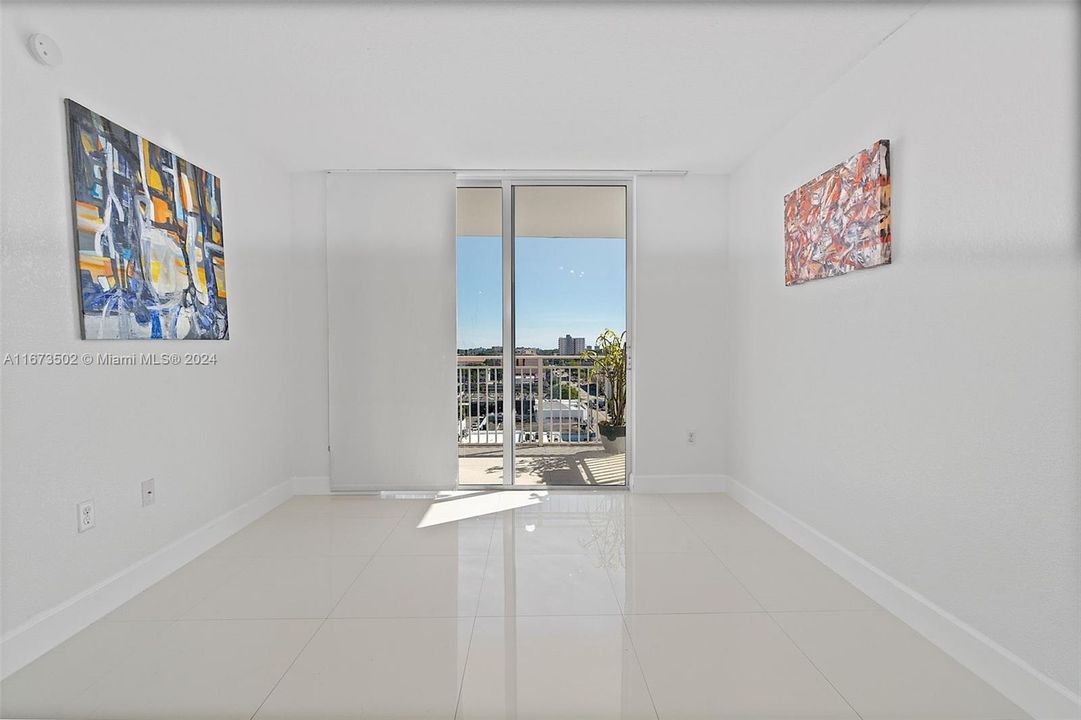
542, 271
479, 258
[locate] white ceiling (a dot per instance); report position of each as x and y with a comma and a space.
544, 85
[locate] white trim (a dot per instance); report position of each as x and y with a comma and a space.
48, 629
678, 483
1037, 694
507, 318
630, 405
497, 174
314, 485
391, 487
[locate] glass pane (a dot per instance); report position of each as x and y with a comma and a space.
480, 332
570, 285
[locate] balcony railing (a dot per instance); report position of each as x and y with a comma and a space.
554, 401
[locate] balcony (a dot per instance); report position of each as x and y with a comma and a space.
557, 409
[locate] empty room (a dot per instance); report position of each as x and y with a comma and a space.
540, 360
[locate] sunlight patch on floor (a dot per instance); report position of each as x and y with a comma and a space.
455, 506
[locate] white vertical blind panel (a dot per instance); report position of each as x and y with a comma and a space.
391, 278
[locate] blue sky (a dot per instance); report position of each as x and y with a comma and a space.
564, 285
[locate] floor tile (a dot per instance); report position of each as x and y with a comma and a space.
278, 535
415, 586
306, 535
375, 668
663, 534
583, 503
698, 503
678, 583
53, 685
219, 669
360, 536
281, 588
465, 505
417, 508
347, 506
177, 593
788, 578
466, 537
586, 604
643, 504
885, 669
559, 533
565, 584
553, 667
730, 666
733, 528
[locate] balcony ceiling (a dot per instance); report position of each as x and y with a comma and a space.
482, 85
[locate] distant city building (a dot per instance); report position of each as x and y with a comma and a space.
479, 351
571, 345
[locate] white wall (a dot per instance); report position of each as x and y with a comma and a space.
678, 365
925, 415
212, 437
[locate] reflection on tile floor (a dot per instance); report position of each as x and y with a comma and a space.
571, 604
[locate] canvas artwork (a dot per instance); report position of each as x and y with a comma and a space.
148, 233
840, 221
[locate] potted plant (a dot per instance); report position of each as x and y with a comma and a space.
608, 365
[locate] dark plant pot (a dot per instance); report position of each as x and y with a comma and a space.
613, 438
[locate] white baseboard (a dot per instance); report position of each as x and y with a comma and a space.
48, 629
315, 485
1034, 692
678, 483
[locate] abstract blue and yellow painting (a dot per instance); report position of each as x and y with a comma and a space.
148, 233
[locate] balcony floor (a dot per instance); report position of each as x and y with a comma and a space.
543, 465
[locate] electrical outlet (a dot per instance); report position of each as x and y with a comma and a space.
148, 492
86, 515
692, 437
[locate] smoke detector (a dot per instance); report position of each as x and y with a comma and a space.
45, 50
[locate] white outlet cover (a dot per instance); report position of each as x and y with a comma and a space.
86, 515
45, 50
148, 492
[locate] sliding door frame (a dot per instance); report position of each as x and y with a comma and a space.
507, 183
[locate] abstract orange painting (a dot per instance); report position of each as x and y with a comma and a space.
840, 221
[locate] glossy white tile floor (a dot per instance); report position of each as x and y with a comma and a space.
574, 605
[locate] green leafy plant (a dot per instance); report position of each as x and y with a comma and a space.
566, 391
608, 364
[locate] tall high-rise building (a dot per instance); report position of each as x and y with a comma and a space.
571, 345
